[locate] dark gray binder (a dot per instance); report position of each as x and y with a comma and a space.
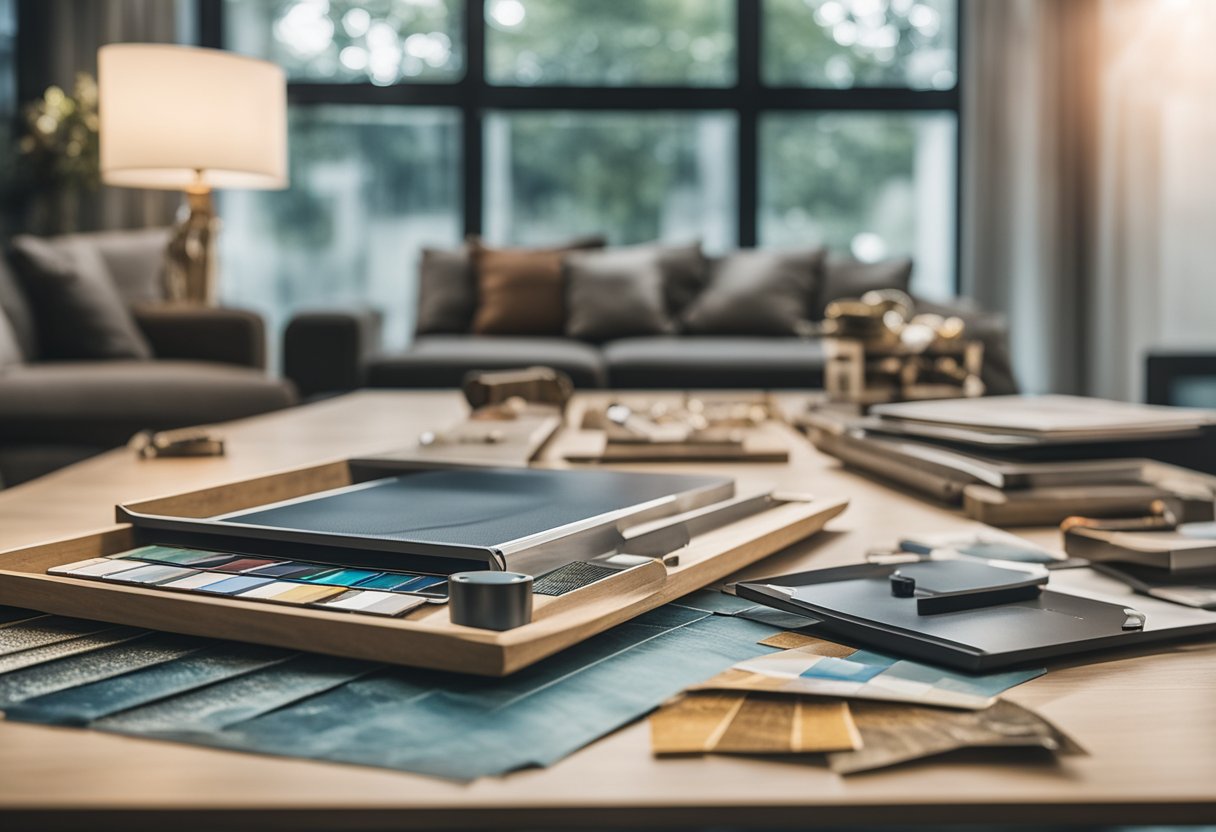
1081, 611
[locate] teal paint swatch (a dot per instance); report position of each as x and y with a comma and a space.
339, 577
386, 581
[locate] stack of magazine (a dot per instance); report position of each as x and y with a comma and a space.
1031, 460
1176, 563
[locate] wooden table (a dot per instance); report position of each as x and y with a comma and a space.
1148, 718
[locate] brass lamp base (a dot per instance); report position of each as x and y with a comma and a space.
190, 260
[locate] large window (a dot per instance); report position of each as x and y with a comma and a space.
733, 122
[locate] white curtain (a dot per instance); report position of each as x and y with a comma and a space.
1089, 210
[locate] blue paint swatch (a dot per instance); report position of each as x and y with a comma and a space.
233, 585
842, 670
387, 581
290, 569
420, 584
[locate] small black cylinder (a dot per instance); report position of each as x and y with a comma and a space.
490, 600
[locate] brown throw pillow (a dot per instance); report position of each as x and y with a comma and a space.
756, 292
520, 290
78, 309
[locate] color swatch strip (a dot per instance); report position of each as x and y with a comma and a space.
340, 589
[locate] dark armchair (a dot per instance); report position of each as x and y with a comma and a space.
207, 365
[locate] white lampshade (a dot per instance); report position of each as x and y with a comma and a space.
169, 112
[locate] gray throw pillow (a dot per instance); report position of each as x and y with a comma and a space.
756, 292
844, 277
622, 292
447, 291
10, 351
16, 308
78, 309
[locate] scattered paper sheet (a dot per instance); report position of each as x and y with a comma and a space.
813, 666
897, 733
744, 723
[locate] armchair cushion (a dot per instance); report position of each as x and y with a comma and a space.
135, 260
16, 309
202, 333
104, 403
79, 312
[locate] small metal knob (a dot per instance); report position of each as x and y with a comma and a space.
902, 586
490, 600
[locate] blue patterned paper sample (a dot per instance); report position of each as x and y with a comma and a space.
988, 685
81, 705
105, 663
69, 647
44, 630
463, 727
842, 670
270, 701
238, 699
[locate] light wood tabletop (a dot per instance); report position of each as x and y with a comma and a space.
1147, 717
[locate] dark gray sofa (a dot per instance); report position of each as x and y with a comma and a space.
208, 366
328, 352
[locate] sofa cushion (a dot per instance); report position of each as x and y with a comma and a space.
756, 292
78, 310
16, 308
443, 360
105, 403
844, 277
447, 285
10, 350
447, 291
519, 291
135, 259
617, 293
689, 363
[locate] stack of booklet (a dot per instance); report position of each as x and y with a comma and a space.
1175, 564
1031, 460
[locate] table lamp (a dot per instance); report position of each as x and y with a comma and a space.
183, 118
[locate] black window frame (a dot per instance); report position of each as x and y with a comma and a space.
749, 98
